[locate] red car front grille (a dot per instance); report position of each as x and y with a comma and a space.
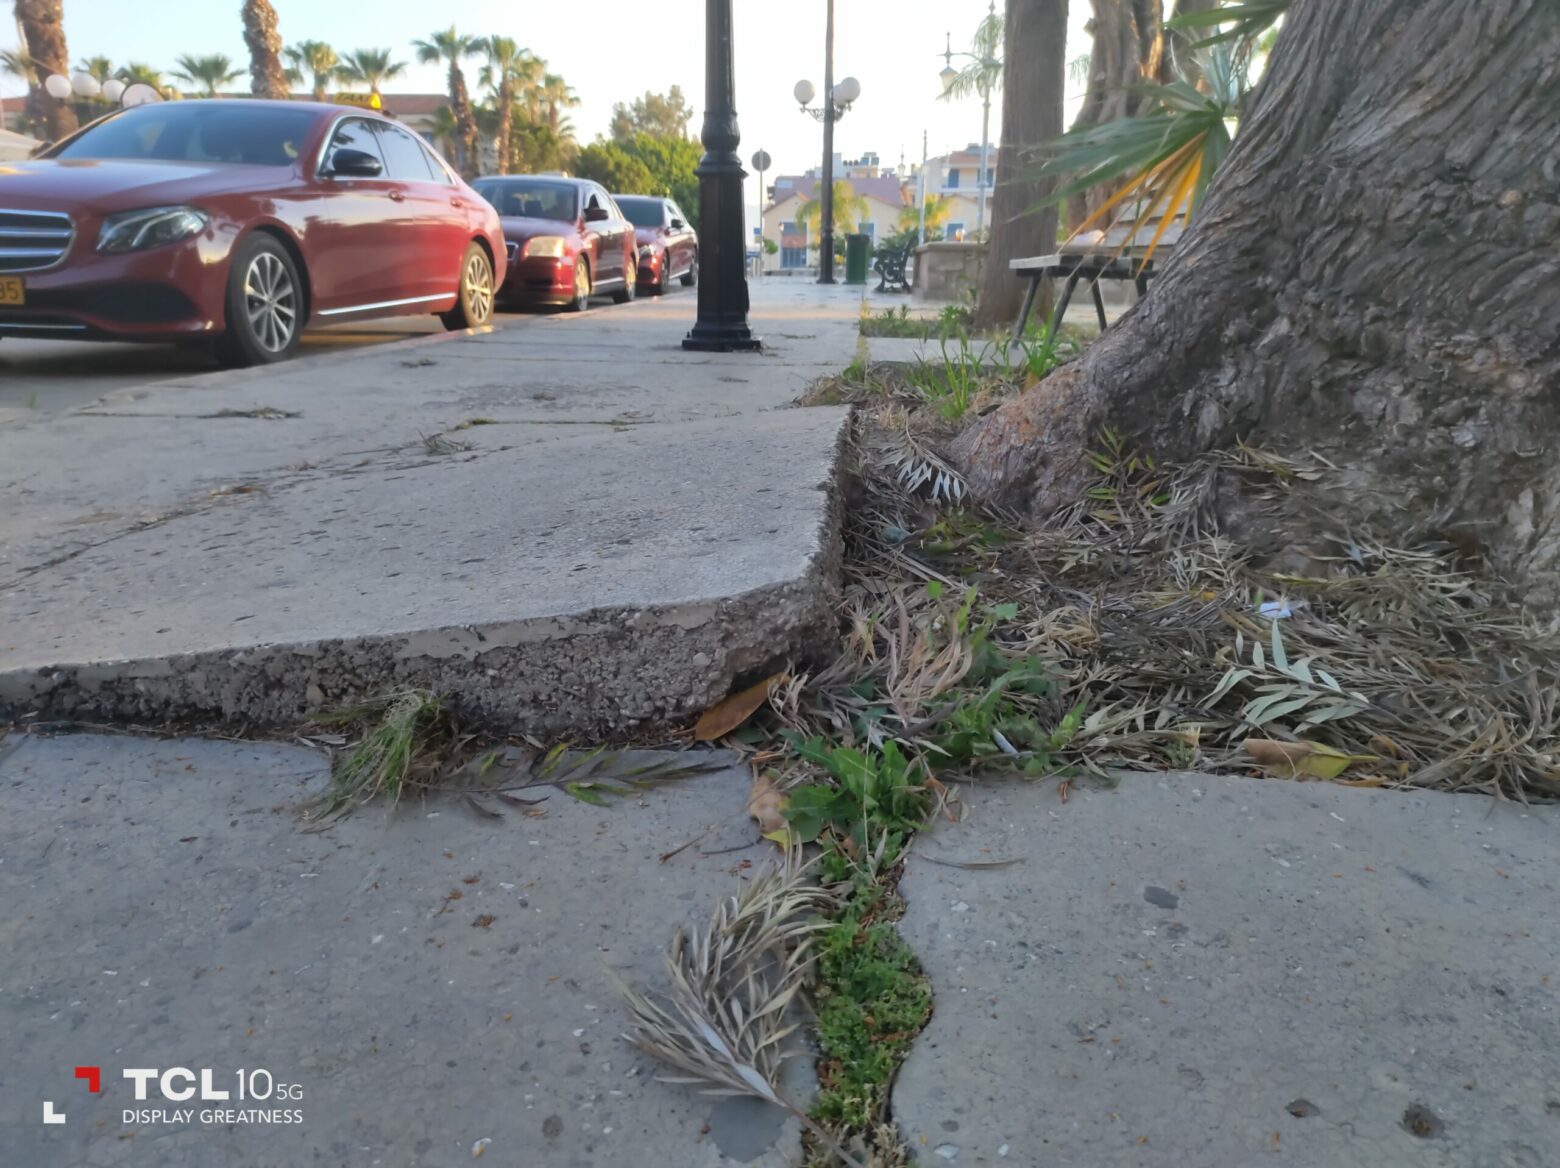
31, 241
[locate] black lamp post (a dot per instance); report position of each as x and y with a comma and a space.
723, 292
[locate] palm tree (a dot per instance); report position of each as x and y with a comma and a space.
267, 77
137, 74
42, 25
452, 47
370, 67
316, 61
848, 207
983, 72
208, 73
99, 67
938, 208
506, 69
557, 96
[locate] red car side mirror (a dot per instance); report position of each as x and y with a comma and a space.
597, 215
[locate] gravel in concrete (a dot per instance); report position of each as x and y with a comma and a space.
569, 524
436, 984
1209, 972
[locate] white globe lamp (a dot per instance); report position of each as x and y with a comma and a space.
58, 86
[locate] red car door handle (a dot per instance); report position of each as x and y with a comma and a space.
457, 202
397, 197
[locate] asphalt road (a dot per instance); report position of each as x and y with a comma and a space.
60, 375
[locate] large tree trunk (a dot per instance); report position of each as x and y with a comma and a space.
267, 78
43, 27
1375, 276
1035, 43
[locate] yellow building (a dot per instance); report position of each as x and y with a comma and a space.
885, 198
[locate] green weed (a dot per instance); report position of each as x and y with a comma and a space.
873, 1000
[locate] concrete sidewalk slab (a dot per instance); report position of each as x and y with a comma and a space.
569, 524
1205, 971
434, 982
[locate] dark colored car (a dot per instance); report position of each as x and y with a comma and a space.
241, 223
668, 245
567, 240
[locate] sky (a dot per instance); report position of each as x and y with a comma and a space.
893, 47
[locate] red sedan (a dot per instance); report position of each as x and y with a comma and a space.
243, 222
567, 238
668, 244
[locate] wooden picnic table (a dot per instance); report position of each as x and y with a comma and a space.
1109, 255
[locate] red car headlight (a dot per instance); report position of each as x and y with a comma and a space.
545, 247
153, 227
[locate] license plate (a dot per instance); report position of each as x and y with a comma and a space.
13, 290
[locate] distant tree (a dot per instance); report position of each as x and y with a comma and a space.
267, 77
209, 73
848, 209
647, 164
555, 96
614, 168
370, 67
450, 47
508, 70
938, 208
42, 25
536, 148
136, 73
315, 62
100, 68
660, 115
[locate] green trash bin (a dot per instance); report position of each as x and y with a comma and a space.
858, 258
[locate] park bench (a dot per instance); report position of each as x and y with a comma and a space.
892, 267
1116, 254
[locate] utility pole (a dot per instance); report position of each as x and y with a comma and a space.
826, 249
923, 188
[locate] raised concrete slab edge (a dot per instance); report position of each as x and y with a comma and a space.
597, 671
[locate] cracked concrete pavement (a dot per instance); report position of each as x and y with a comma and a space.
568, 522
1214, 971
436, 984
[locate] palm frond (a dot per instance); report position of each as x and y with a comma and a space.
723, 1023
1245, 19
1166, 159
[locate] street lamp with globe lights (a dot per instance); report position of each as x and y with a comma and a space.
842, 97
837, 99
983, 71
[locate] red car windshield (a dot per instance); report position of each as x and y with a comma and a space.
254, 135
526, 199
643, 212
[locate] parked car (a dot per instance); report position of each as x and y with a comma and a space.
668, 244
242, 223
567, 240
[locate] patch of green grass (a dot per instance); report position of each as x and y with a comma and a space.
403, 729
873, 1000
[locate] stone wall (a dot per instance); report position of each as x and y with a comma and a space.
948, 271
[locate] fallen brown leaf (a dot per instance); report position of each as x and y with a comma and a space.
724, 717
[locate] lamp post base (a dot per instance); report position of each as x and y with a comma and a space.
722, 340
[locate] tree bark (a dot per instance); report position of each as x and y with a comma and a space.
1033, 83
267, 78
1374, 276
465, 121
43, 27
